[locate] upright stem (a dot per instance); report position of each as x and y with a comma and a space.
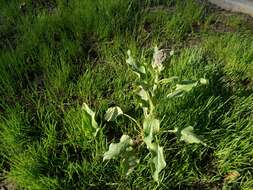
156, 81
151, 105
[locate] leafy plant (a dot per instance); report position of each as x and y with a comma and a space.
147, 82
91, 120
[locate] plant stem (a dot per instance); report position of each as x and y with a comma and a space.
156, 81
134, 120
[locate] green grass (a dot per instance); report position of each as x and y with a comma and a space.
56, 54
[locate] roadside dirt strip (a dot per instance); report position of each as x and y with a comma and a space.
243, 6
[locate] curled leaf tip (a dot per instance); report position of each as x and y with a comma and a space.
112, 113
188, 135
115, 149
203, 81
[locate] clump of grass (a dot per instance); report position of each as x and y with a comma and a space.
55, 55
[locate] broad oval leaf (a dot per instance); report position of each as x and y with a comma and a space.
130, 60
115, 149
91, 116
143, 94
188, 136
203, 81
112, 113
141, 69
151, 127
180, 89
187, 86
138, 70
157, 162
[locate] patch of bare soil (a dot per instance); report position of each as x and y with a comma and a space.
7, 185
34, 5
221, 25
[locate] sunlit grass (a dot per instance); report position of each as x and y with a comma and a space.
54, 56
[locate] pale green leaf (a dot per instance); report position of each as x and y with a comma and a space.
157, 162
116, 149
182, 88
175, 94
91, 116
143, 94
188, 136
130, 60
112, 113
172, 52
143, 99
168, 80
138, 70
141, 69
186, 87
151, 128
203, 81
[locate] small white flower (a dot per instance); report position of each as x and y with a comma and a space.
158, 58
